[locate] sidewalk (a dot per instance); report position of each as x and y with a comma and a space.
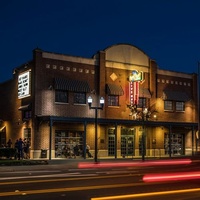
64, 164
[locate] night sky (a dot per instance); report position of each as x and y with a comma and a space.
168, 31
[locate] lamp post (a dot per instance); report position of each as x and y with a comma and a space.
143, 115
144, 118
96, 108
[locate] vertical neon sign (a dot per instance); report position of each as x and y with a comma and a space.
134, 80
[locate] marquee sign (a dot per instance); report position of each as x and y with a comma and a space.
134, 80
24, 84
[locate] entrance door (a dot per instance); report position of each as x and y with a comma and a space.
111, 142
127, 142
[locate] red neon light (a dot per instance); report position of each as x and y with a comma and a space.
133, 164
171, 176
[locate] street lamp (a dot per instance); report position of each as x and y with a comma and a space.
145, 116
96, 108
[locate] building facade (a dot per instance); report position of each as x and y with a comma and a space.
148, 112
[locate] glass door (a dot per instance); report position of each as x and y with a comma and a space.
127, 142
111, 142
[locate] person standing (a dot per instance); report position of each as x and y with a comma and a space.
88, 151
20, 149
9, 143
16, 149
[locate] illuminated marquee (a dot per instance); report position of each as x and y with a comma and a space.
134, 80
24, 85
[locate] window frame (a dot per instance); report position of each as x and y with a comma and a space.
168, 107
181, 106
60, 98
113, 100
79, 98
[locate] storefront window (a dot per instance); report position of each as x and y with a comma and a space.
176, 144
66, 142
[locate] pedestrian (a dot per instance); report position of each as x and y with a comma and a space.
20, 149
16, 149
76, 150
88, 151
26, 149
9, 143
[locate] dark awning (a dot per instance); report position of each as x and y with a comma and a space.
25, 107
144, 92
175, 95
112, 89
71, 85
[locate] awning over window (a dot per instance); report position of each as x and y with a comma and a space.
112, 89
175, 95
25, 107
144, 92
71, 85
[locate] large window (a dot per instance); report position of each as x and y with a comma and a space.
180, 106
79, 98
113, 100
61, 96
168, 105
65, 141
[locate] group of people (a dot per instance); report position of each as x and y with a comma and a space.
22, 149
72, 151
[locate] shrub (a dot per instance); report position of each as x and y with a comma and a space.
7, 152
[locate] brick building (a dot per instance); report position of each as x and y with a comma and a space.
147, 112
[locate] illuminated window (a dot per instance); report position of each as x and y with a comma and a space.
180, 106
61, 96
168, 105
113, 100
80, 98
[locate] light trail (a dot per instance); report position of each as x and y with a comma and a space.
82, 165
178, 176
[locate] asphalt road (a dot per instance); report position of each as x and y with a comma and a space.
124, 182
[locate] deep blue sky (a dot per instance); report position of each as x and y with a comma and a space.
168, 31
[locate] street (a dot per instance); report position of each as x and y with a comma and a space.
98, 184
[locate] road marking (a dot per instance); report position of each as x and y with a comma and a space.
72, 178
48, 176
128, 196
56, 190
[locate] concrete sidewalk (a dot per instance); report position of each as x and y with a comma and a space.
59, 164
